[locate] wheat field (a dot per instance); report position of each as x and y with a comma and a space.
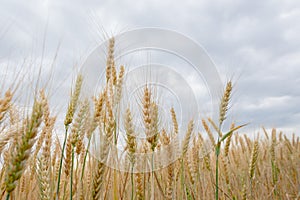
35, 164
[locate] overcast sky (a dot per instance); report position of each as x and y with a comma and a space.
254, 42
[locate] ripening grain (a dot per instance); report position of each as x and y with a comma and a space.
35, 165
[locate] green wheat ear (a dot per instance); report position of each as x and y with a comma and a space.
22, 150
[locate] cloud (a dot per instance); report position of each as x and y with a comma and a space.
256, 42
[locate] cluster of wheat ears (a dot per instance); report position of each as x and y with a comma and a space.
36, 165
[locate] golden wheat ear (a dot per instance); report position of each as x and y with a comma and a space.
22, 150
110, 62
5, 103
224, 103
130, 134
74, 101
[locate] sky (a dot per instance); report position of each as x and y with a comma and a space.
255, 43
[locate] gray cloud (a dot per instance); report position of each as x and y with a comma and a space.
256, 42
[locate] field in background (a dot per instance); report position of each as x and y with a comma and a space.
35, 165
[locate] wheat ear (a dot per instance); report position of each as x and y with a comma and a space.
5, 103
22, 151
224, 103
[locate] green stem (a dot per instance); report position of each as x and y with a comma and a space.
217, 167
152, 176
7, 196
182, 179
85, 157
217, 178
60, 164
132, 186
71, 184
